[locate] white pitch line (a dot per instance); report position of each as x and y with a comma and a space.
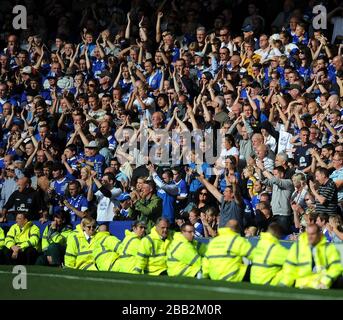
250, 292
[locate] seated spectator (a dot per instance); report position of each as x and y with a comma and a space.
151, 255
128, 248
80, 246
106, 249
22, 241
209, 221
335, 229
194, 218
54, 240
184, 253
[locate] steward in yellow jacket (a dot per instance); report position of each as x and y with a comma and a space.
2, 245
129, 247
80, 246
54, 240
268, 257
2, 238
223, 258
105, 251
22, 241
184, 253
151, 256
312, 262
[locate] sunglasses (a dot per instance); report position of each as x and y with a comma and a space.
91, 227
204, 193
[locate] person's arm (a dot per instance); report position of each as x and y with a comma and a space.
321, 199
71, 252
158, 27
207, 116
116, 81
101, 50
143, 253
39, 60
210, 188
60, 61
181, 124
88, 63
142, 34
79, 213
8, 122
172, 189
128, 27
253, 105
84, 139
30, 159
72, 60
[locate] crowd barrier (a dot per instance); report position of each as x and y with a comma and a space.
117, 228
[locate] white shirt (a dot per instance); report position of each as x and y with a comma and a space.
106, 205
231, 152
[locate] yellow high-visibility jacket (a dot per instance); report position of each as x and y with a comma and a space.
184, 257
105, 251
51, 236
223, 258
2, 238
268, 258
79, 252
127, 253
29, 236
298, 265
151, 256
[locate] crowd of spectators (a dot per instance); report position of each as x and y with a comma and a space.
120, 110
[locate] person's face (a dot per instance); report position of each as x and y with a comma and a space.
139, 184
47, 172
56, 174
90, 152
313, 236
73, 190
84, 174
261, 152
337, 162
162, 229
320, 223
115, 164
90, 229
82, 64
106, 182
156, 119
203, 195
293, 24
223, 54
20, 220
320, 177
188, 233
21, 59
78, 79
334, 118
116, 95
279, 161
263, 42
58, 221
304, 136
77, 120
337, 63
139, 231
228, 194
247, 111
146, 190
299, 31
10, 173
6, 109
89, 38
133, 55
93, 103
29, 148
68, 49
325, 153
41, 156
22, 184
166, 178
104, 128
148, 67
3, 91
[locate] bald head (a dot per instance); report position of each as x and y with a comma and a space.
233, 225
338, 62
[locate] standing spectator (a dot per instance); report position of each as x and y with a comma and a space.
281, 195
325, 192
106, 196
149, 207
167, 191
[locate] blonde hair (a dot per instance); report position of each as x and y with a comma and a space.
87, 220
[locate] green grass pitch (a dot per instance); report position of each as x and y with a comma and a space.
56, 283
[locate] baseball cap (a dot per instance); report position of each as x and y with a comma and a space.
26, 70
124, 196
199, 54
92, 144
306, 116
51, 75
248, 28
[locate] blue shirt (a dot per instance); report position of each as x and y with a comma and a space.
168, 205
80, 203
